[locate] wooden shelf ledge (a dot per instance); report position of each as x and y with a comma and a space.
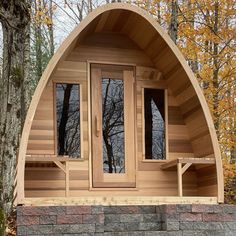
182, 165
50, 158
195, 161
62, 162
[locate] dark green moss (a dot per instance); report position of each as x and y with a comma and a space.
17, 75
18, 113
2, 222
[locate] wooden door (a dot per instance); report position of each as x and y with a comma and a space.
113, 135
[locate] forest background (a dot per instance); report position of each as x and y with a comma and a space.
31, 31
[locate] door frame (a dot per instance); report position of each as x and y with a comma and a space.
108, 183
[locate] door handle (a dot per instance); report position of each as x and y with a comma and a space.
97, 127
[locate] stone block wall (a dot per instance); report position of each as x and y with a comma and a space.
163, 220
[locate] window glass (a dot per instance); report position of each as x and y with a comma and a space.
68, 119
154, 109
113, 125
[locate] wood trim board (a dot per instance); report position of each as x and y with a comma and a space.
101, 179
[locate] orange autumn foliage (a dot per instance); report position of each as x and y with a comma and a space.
206, 37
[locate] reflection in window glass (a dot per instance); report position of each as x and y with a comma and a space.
113, 125
68, 119
154, 106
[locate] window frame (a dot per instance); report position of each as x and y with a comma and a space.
79, 158
125, 180
143, 87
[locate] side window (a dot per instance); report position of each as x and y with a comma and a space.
68, 119
154, 124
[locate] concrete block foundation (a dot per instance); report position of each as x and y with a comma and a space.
163, 220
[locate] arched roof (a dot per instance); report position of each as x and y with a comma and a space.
144, 30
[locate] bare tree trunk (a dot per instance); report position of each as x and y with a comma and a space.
15, 18
233, 155
216, 71
159, 12
51, 33
38, 40
193, 63
173, 27
90, 6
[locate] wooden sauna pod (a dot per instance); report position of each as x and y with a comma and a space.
123, 46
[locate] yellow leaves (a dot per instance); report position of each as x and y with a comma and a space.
229, 179
41, 17
229, 170
48, 21
206, 72
200, 42
41, 14
231, 12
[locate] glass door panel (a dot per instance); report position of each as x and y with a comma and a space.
113, 135
113, 125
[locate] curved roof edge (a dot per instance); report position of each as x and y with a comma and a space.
63, 50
